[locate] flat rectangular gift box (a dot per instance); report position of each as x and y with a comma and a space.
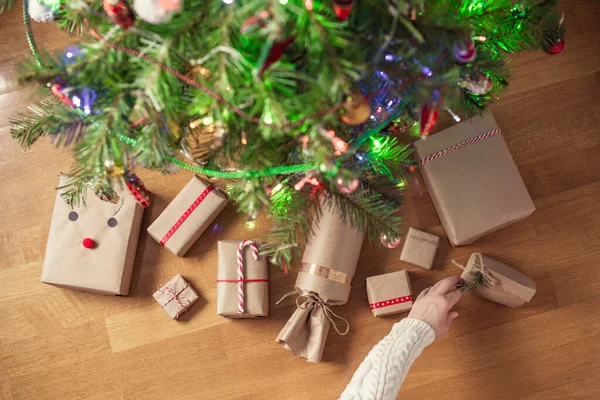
186, 218
112, 227
509, 287
389, 293
256, 287
473, 180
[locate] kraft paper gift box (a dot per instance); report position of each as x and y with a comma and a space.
111, 228
255, 287
186, 218
389, 293
503, 284
473, 180
324, 279
176, 296
420, 248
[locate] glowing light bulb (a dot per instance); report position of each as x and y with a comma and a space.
227, 1
309, 4
283, 2
207, 120
250, 225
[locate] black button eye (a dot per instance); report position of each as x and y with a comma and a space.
73, 216
112, 222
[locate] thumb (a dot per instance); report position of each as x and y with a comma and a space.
451, 316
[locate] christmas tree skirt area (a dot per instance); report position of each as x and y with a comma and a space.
275, 143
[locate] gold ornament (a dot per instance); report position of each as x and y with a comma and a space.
356, 111
113, 169
198, 72
201, 139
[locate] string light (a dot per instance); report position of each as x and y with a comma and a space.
309, 4
283, 2
227, 1
207, 120
250, 225
244, 139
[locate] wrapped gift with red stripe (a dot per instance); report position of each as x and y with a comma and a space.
186, 218
472, 178
242, 280
389, 293
175, 296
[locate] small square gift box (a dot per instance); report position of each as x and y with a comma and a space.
175, 296
186, 218
420, 248
92, 246
473, 180
242, 280
389, 293
495, 281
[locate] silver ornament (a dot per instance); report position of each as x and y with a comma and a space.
41, 12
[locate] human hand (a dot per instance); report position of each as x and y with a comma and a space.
434, 305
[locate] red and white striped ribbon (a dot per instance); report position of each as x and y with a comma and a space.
457, 146
240, 261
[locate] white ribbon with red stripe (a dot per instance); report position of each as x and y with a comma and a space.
457, 146
240, 261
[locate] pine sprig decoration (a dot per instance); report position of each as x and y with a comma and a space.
47, 117
477, 280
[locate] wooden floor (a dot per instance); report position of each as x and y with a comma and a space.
62, 344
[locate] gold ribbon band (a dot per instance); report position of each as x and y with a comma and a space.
327, 273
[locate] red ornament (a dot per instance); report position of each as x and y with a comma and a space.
464, 51
138, 190
57, 91
556, 47
119, 12
275, 53
88, 243
343, 8
347, 189
428, 119
389, 244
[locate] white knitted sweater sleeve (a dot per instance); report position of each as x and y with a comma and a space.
381, 374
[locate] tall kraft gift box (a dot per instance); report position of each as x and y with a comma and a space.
92, 247
324, 279
473, 180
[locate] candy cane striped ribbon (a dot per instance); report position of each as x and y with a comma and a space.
457, 146
240, 261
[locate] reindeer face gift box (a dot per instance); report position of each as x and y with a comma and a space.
92, 247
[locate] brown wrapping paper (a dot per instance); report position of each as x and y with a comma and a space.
176, 296
476, 189
197, 221
329, 263
256, 294
305, 333
509, 287
389, 293
420, 248
106, 268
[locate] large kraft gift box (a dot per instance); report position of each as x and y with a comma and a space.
92, 247
503, 284
473, 180
324, 279
255, 285
186, 218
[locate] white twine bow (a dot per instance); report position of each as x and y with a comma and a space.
312, 298
478, 267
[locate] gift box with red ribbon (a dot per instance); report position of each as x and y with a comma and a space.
389, 293
186, 218
242, 280
472, 178
175, 296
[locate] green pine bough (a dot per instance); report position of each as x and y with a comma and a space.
285, 102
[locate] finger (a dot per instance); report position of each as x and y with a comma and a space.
434, 287
453, 297
450, 317
424, 292
446, 285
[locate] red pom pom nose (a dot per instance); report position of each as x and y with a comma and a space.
88, 243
